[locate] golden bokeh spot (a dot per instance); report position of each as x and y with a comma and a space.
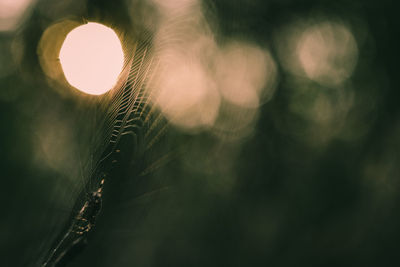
86, 57
92, 58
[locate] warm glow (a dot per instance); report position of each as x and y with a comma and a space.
12, 12
327, 53
186, 95
245, 74
92, 58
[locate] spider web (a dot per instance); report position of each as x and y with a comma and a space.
130, 130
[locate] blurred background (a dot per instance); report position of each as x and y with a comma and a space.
285, 115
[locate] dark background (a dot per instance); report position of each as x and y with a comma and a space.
283, 201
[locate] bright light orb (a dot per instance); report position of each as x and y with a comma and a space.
92, 58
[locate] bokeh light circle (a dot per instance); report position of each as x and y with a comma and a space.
92, 58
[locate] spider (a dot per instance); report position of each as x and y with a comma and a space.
75, 238
86, 217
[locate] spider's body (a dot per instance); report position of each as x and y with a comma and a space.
87, 215
75, 238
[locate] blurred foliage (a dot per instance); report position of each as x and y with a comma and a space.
313, 183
